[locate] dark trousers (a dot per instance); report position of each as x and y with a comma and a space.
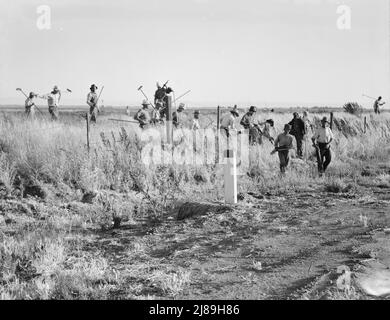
284, 160
93, 112
324, 157
53, 110
299, 140
254, 136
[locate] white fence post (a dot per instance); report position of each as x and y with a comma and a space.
230, 177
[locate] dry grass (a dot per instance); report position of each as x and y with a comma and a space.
46, 170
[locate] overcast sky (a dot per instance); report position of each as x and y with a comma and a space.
245, 52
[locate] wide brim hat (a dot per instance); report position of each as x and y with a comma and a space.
93, 86
145, 103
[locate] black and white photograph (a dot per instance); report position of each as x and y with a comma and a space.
176, 151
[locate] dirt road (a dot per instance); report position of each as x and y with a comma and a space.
269, 247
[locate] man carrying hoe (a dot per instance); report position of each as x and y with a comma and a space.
30, 105
283, 145
322, 139
92, 101
53, 101
143, 115
378, 103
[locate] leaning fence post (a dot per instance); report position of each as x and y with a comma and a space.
365, 125
218, 129
169, 125
87, 118
230, 177
331, 120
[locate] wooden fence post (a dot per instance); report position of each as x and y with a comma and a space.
218, 130
169, 125
365, 125
87, 118
331, 121
230, 177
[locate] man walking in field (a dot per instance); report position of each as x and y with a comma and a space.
322, 139
53, 101
195, 122
298, 131
266, 131
30, 105
249, 122
178, 116
308, 130
143, 115
378, 103
228, 122
92, 101
283, 145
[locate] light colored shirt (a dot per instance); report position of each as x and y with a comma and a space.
307, 122
178, 118
323, 135
29, 103
284, 141
92, 99
248, 121
195, 124
227, 121
143, 116
378, 103
53, 99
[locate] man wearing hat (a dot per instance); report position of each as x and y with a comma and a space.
298, 131
249, 122
228, 121
177, 116
143, 115
92, 101
283, 145
195, 121
53, 101
266, 132
30, 105
322, 139
377, 104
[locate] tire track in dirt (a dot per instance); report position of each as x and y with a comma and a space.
295, 239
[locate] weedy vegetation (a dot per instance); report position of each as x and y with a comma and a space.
64, 210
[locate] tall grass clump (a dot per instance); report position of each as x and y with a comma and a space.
353, 108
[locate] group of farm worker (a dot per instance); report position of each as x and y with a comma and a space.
298, 128
322, 139
160, 108
53, 100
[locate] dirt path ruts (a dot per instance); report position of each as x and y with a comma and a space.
296, 238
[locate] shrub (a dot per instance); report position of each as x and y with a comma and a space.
353, 108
